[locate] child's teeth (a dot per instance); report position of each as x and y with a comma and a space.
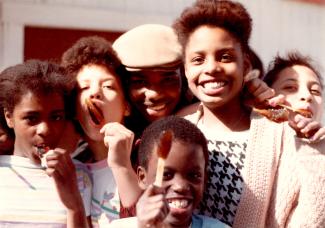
178, 203
214, 85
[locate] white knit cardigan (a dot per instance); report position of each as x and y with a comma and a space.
284, 178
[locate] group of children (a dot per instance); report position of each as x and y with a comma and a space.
228, 166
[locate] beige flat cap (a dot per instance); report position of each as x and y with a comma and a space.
149, 46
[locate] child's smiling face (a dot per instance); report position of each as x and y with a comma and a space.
155, 93
214, 65
183, 180
301, 88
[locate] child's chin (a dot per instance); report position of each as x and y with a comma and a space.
180, 217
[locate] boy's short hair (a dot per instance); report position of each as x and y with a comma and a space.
183, 130
38, 77
291, 59
232, 16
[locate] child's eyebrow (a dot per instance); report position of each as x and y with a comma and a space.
30, 112
137, 75
59, 111
290, 80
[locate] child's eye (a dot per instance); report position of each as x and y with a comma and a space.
316, 92
31, 119
170, 79
290, 88
226, 58
108, 87
195, 176
58, 117
197, 60
167, 175
83, 86
138, 82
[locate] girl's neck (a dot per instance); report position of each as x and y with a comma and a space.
226, 118
98, 149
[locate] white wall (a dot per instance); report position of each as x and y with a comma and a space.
279, 25
282, 25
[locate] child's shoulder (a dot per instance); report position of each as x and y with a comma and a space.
188, 110
201, 221
191, 113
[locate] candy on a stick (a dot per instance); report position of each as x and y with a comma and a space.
94, 112
163, 148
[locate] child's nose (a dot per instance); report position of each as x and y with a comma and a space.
43, 129
305, 95
212, 66
152, 93
181, 186
95, 92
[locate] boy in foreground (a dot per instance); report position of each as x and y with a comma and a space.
171, 205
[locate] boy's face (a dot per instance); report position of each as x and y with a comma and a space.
183, 180
155, 93
38, 121
214, 66
105, 91
301, 88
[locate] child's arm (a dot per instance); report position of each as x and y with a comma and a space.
62, 170
119, 141
152, 208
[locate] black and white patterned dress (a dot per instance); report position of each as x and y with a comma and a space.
225, 181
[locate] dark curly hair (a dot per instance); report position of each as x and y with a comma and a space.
90, 50
183, 130
231, 16
292, 58
39, 77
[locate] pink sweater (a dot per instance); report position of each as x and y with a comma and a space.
284, 178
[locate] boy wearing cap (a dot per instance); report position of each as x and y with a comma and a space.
152, 55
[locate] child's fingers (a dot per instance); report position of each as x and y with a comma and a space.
319, 135
152, 210
150, 191
116, 132
59, 162
263, 95
314, 125
278, 99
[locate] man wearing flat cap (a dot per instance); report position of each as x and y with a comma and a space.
153, 57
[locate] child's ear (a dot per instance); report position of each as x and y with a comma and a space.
8, 117
127, 111
142, 177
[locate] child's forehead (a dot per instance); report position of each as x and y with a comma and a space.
299, 71
182, 152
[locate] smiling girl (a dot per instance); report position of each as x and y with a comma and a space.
244, 148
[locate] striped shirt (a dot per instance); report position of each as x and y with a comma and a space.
28, 197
